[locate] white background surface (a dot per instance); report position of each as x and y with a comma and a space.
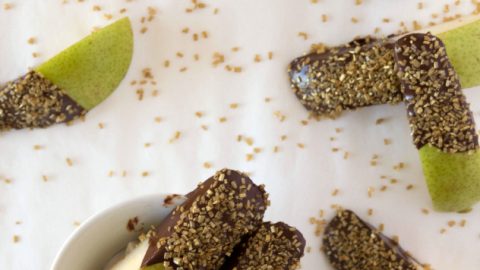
300, 181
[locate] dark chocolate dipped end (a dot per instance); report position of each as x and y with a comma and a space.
201, 232
351, 243
32, 101
438, 112
272, 246
328, 81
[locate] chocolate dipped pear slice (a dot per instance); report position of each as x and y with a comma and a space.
328, 81
443, 128
352, 244
203, 231
71, 83
272, 246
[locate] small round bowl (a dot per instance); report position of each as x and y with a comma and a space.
105, 234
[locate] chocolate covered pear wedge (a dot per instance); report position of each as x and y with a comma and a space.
328, 81
442, 124
203, 231
71, 83
352, 244
272, 246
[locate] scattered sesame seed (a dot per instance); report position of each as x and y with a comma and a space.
463, 222
145, 173
96, 8
183, 69
199, 114
111, 173
267, 100
166, 63
7, 6
185, 30
108, 16
280, 116
324, 18
409, 187
303, 35
207, 165
442, 231
358, 2
157, 119
346, 155
249, 157
276, 149
425, 211
16, 238
101, 125
283, 137
420, 5
451, 223
175, 137
38, 147
44, 178
370, 191
233, 105
300, 145
32, 40
387, 141
370, 211
222, 119
380, 121
69, 162
335, 192
354, 20
386, 20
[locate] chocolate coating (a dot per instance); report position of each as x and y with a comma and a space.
32, 101
438, 111
360, 73
203, 230
272, 246
352, 244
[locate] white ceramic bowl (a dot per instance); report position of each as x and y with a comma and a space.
105, 234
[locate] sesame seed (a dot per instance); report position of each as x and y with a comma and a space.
32, 40
16, 238
207, 165
303, 35
324, 18
222, 119
145, 174
233, 105
300, 145
354, 20
7, 6
69, 162
199, 114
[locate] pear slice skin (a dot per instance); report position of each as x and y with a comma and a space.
91, 69
453, 179
463, 50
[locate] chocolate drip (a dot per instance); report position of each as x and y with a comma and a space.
272, 246
203, 230
331, 80
352, 244
32, 101
438, 112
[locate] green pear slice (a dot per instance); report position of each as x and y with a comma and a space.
91, 69
462, 41
453, 179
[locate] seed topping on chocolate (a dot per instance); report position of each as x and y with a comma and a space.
32, 101
351, 243
330, 80
438, 111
